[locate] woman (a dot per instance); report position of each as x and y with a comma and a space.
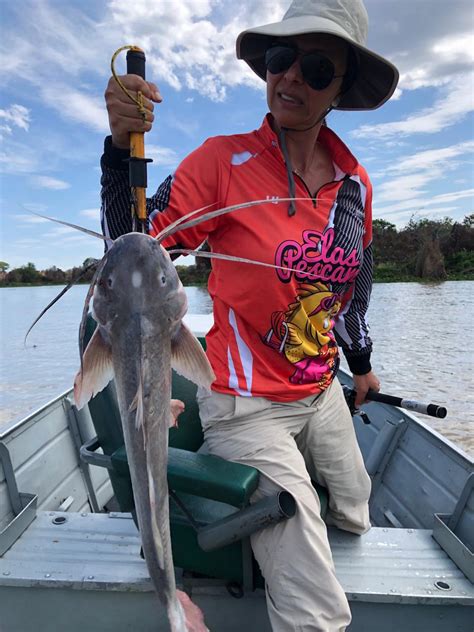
276, 403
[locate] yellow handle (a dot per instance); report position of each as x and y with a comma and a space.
137, 150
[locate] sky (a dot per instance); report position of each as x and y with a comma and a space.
417, 148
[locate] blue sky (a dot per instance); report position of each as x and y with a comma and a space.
418, 148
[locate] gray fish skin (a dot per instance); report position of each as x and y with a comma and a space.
139, 302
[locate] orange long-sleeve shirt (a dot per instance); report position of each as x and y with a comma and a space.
275, 330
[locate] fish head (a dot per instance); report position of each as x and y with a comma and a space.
138, 278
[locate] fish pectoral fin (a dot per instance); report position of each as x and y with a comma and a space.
189, 359
97, 370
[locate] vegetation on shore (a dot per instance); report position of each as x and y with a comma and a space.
424, 250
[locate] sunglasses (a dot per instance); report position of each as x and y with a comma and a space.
318, 71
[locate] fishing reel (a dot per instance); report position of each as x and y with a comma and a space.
350, 396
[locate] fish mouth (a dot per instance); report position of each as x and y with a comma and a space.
176, 305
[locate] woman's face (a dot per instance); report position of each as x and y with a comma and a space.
290, 99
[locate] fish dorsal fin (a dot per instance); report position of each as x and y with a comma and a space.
189, 360
97, 369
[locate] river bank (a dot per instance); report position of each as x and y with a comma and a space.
195, 280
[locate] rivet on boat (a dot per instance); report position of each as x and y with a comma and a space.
6, 573
47, 575
59, 520
442, 585
83, 515
90, 577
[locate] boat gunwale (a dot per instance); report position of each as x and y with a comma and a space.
14, 425
11, 426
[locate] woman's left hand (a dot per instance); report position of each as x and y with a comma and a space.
362, 383
193, 614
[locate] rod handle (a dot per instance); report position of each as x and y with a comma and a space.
138, 173
433, 410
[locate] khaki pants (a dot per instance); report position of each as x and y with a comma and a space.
289, 443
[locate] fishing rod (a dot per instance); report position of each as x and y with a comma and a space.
433, 410
137, 163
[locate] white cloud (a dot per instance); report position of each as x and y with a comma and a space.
459, 47
63, 230
46, 182
191, 43
406, 186
74, 105
438, 158
451, 55
23, 243
454, 196
35, 207
185, 125
430, 41
18, 115
162, 156
18, 158
454, 103
188, 43
402, 217
93, 213
31, 219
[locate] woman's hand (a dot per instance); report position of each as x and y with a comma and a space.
362, 383
193, 614
124, 116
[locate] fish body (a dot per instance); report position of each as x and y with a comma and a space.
138, 302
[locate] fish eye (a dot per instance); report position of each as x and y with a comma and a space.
163, 279
109, 282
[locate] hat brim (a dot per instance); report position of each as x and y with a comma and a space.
376, 78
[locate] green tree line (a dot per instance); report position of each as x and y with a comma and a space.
424, 249
29, 275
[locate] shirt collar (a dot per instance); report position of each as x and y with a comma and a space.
340, 153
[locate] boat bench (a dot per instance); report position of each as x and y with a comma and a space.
87, 574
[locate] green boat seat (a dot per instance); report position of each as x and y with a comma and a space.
203, 475
209, 488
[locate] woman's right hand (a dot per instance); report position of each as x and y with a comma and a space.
124, 116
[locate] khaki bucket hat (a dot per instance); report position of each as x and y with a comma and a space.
375, 79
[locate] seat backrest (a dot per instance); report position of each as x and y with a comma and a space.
188, 435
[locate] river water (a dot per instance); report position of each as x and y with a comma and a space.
423, 347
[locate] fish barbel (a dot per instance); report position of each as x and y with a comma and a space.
138, 302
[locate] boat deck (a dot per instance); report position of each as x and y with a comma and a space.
97, 553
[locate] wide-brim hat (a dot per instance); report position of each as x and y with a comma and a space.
376, 77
